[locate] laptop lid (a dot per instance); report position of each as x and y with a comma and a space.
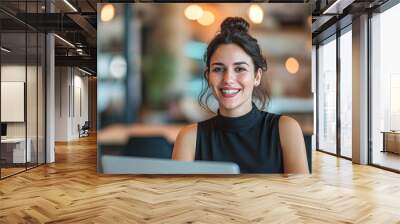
138, 165
3, 129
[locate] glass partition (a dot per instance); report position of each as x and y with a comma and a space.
346, 94
385, 89
31, 97
22, 90
327, 96
41, 109
14, 153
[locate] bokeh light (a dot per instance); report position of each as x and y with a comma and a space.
207, 19
194, 12
256, 14
292, 65
118, 67
107, 13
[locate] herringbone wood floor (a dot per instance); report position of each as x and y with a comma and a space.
70, 191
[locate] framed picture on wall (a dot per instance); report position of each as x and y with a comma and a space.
12, 101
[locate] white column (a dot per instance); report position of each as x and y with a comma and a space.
50, 99
360, 90
50, 92
314, 91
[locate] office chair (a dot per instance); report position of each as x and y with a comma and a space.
154, 147
307, 142
84, 130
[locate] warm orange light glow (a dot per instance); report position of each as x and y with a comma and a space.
292, 65
256, 14
309, 21
193, 12
207, 19
107, 13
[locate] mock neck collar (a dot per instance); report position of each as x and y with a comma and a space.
237, 123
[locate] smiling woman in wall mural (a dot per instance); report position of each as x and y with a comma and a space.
258, 141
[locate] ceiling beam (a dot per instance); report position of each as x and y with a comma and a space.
84, 24
82, 61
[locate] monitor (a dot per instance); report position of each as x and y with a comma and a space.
3, 129
138, 165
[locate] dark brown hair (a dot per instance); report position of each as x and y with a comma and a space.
234, 30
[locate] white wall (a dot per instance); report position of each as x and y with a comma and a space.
71, 87
61, 103
33, 126
12, 73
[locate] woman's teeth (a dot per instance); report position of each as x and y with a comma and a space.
230, 91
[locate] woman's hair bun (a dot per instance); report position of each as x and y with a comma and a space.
234, 24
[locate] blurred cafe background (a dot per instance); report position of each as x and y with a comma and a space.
150, 65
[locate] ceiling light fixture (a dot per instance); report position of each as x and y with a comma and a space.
70, 5
5, 49
79, 51
337, 7
65, 41
84, 71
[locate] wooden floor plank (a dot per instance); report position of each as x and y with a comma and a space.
70, 191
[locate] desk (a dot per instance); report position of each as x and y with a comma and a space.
16, 147
391, 141
120, 133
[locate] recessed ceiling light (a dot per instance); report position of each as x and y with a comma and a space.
84, 71
5, 49
70, 5
65, 41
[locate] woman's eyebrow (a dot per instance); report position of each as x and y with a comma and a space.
241, 63
217, 63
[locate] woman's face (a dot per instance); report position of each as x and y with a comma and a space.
231, 78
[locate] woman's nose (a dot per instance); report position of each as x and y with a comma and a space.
228, 76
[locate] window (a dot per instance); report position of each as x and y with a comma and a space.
327, 96
346, 94
385, 89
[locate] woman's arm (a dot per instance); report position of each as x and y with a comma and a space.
293, 147
185, 144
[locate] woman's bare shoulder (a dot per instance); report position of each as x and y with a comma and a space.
190, 130
290, 133
293, 148
185, 144
287, 123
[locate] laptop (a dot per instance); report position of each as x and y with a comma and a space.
3, 131
139, 165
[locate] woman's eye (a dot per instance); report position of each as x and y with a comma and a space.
218, 69
240, 69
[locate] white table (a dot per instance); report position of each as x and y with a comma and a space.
391, 141
18, 145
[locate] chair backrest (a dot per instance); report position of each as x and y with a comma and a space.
153, 146
307, 141
86, 125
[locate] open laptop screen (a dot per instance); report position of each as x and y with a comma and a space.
138, 165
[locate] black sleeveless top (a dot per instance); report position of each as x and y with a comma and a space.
252, 141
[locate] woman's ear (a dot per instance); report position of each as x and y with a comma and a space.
257, 78
206, 73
